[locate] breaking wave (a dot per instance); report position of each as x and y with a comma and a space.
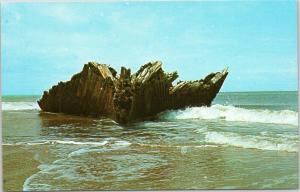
253, 142
109, 141
231, 113
17, 106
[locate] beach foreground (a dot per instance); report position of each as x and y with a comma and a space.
251, 143
18, 165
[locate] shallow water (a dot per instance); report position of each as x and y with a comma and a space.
243, 141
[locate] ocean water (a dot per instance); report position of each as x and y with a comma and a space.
243, 141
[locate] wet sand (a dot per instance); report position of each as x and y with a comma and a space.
183, 149
18, 165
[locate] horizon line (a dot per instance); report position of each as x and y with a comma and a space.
5, 95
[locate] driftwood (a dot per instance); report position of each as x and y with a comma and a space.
97, 90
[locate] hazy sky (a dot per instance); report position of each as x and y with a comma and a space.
44, 43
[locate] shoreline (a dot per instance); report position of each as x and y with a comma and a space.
18, 165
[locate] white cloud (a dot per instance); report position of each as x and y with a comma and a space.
64, 14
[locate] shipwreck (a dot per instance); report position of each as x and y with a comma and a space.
99, 91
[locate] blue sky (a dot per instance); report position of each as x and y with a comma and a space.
43, 43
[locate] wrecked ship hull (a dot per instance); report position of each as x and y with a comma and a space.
98, 91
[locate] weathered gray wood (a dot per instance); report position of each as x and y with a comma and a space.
97, 90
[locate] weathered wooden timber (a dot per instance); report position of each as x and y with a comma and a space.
99, 91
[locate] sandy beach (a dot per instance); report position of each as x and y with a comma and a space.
251, 144
18, 165
138, 96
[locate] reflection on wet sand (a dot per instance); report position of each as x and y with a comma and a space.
80, 153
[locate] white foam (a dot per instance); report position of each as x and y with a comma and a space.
251, 141
83, 151
122, 143
51, 142
81, 143
231, 113
17, 106
176, 146
112, 145
26, 184
73, 171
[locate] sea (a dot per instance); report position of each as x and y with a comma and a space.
244, 140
